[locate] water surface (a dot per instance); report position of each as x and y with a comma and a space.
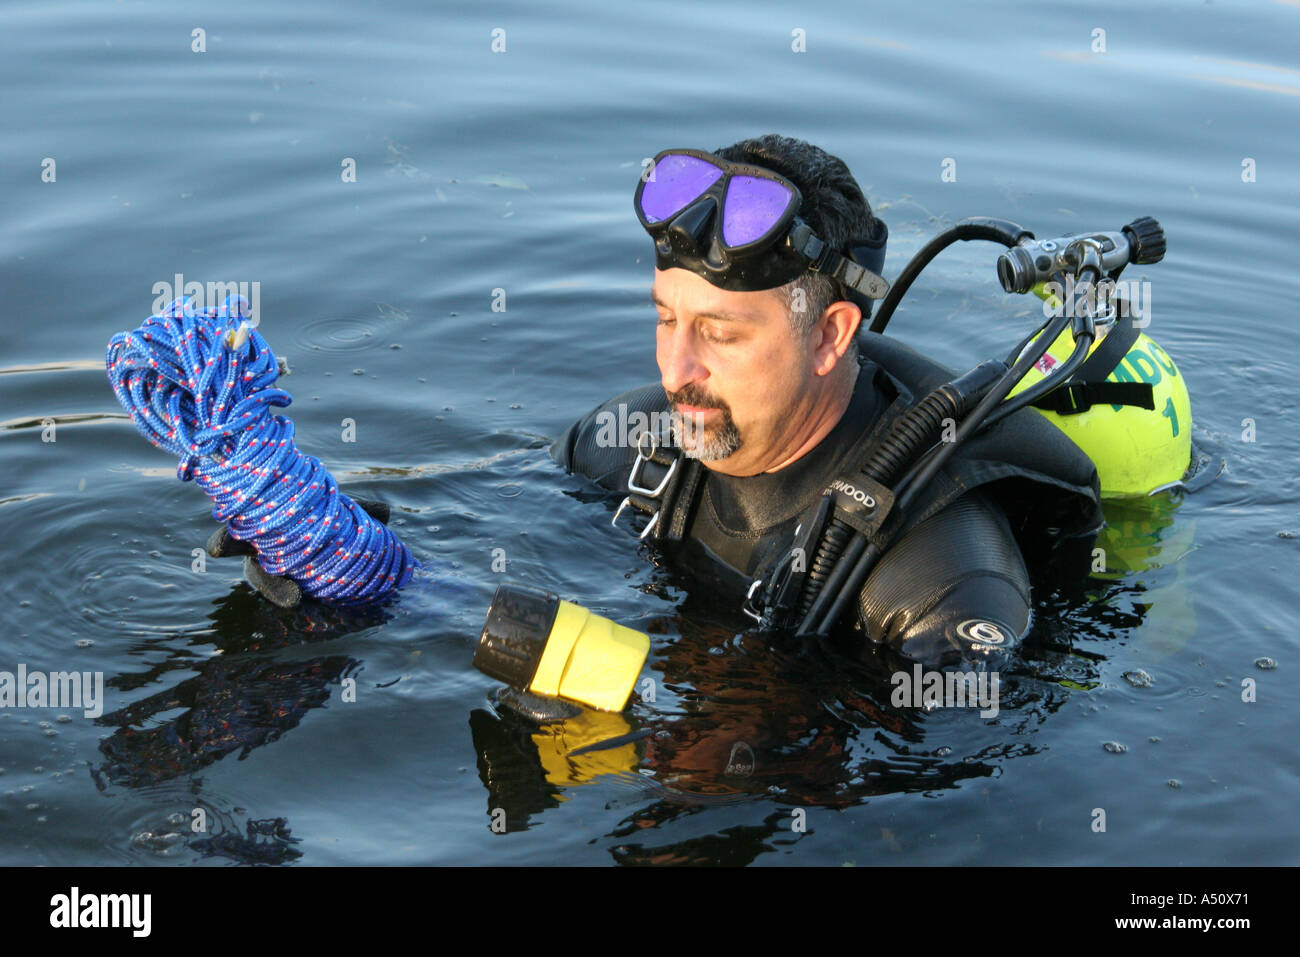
480, 171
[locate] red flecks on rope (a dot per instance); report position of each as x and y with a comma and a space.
217, 419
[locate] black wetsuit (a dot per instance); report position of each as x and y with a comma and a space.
954, 578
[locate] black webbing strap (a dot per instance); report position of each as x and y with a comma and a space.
1087, 387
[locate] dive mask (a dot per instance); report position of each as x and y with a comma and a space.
737, 226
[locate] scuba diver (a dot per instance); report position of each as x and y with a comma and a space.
803, 467
767, 262
792, 465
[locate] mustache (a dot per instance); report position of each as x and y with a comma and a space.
693, 395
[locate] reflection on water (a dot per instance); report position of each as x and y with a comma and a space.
740, 721
240, 699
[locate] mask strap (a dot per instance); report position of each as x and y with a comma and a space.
869, 253
827, 261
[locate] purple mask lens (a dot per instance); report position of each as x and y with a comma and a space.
753, 206
674, 184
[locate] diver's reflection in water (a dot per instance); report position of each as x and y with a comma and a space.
241, 699
738, 720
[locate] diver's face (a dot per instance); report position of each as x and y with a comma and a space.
733, 368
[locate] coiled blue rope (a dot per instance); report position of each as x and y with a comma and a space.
201, 385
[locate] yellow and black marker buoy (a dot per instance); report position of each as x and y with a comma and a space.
535, 641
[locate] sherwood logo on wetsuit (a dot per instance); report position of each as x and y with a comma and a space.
853, 492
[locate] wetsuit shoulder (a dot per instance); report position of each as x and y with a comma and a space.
955, 587
602, 444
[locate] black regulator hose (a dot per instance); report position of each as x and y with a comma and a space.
826, 559
976, 227
861, 556
844, 557
917, 429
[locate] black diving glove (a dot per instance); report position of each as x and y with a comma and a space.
278, 589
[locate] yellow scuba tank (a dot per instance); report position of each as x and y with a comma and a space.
1136, 451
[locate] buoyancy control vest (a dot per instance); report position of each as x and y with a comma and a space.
1047, 488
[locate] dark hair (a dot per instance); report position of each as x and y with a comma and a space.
833, 205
